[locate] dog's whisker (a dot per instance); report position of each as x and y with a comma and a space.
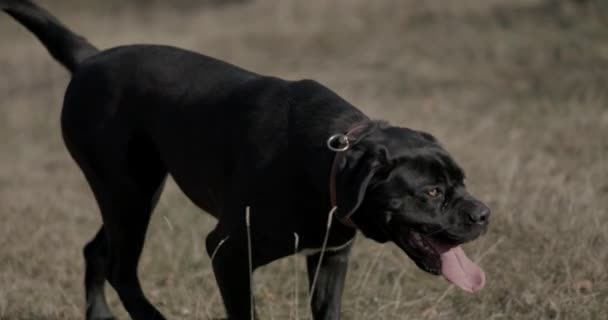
438, 230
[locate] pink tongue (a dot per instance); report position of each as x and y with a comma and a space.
457, 268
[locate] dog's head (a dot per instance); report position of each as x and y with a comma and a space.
400, 185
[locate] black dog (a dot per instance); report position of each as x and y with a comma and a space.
231, 139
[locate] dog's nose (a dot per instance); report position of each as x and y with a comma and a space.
480, 216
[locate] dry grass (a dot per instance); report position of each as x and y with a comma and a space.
517, 90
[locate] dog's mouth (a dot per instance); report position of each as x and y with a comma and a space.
441, 258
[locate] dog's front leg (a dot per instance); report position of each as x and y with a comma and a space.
327, 293
231, 268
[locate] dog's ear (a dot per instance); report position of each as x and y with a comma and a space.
428, 137
355, 172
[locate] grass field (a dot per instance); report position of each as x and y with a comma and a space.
516, 90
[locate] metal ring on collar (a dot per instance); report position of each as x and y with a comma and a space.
343, 142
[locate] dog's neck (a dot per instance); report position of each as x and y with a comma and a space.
341, 143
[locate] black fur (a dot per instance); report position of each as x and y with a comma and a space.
232, 138
65, 46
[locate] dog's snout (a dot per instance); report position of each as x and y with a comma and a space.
479, 216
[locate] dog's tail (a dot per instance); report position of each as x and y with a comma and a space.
64, 45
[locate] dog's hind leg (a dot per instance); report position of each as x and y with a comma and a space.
96, 255
126, 216
127, 181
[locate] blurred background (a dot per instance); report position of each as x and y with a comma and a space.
516, 90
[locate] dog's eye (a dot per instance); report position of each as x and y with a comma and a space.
395, 203
433, 192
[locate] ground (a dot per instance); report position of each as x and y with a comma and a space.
517, 91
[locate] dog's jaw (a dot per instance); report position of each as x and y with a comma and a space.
440, 258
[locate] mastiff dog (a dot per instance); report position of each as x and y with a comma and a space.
278, 163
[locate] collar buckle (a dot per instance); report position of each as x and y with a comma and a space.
338, 142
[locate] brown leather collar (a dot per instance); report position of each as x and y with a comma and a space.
352, 136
